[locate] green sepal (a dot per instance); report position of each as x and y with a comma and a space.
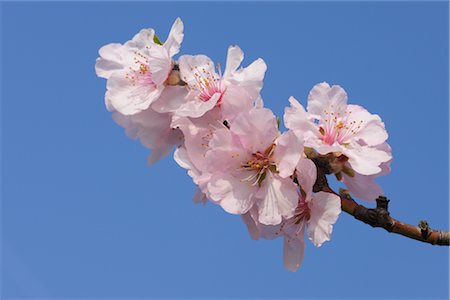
157, 40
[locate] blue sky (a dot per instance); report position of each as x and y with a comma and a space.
84, 216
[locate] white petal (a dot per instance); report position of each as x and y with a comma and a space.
235, 196
363, 186
294, 251
277, 198
110, 60
251, 77
127, 98
296, 118
372, 130
190, 65
250, 219
234, 59
159, 63
322, 97
175, 38
366, 160
171, 99
142, 39
259, 102
325, 209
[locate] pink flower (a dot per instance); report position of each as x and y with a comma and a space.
315, 213
330, 125
137, 71
251, 164
234, 91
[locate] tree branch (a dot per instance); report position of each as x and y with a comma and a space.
379, 216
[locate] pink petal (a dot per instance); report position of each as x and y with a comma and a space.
325, 209
294, 251
234, 101
277, 199
288, 151
306, 176
256, 129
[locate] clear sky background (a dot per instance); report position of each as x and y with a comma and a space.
84, 216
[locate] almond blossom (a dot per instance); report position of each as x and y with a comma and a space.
137, 71
332, 125
234, 90
251, 163
315, 212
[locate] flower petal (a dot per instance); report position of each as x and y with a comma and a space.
288, 151
197, 134
372, 130
110, 60
363, 186
325, 209
142, 40
235, 101
159, 63
226, 153
366, 160
175, 38
250, 219
277, 199
250, 77
296, 118
306, 176
294, 251
171, 99
234, 59
323, 98
191, 65
257, 129
152, 129
127, 98
235, 196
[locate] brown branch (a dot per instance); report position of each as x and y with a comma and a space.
379, 216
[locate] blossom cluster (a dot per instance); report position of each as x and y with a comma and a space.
231, 145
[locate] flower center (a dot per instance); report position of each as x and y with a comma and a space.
207, 84
302, 211
259, 165
140, 74
338, 126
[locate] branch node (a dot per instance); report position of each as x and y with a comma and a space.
382, 202
345, 194
424, 228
